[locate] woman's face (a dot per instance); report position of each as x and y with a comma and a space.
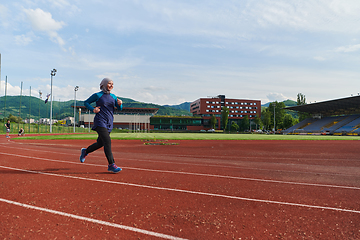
110, 85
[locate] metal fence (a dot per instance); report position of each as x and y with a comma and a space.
41, 128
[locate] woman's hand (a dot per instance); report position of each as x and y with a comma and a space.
96, 109
119, 101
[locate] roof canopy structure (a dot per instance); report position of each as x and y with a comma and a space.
343, 106
128, 110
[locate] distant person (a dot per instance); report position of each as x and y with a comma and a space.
103, 121
21, 132
7, 125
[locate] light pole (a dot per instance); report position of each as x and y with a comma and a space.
53, 73
40, 94
274, 116
75, 90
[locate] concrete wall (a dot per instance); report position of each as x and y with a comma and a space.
119, 118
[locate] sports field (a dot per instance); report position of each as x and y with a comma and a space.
181, 189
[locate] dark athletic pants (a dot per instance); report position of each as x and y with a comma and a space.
103, 140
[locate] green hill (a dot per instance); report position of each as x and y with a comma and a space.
36, 108
288, 103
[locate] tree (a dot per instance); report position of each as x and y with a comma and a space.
13, 118
301, 100
258, 122
245, 123
234, 126
213, 121
266, 118
288, 121
279, 114
225, 117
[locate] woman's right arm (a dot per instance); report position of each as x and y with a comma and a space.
91, 99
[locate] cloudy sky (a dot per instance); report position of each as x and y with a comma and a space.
172, 51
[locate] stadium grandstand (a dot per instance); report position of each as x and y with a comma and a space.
334, 117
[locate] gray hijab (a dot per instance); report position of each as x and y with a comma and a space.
103, 85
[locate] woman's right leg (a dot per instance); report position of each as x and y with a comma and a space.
95, 146
105, 139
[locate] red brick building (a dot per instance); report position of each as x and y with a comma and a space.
238, 109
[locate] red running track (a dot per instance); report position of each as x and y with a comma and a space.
193, 190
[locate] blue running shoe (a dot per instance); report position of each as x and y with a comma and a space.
113, 168
83, 155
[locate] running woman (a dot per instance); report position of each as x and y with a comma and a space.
103, 121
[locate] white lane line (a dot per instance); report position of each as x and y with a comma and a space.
246, 179
195, 174
189, 192
109, 224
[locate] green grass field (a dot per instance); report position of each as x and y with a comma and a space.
192, 136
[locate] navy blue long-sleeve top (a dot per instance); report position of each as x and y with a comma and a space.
107, 104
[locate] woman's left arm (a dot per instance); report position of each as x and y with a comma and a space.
118, 102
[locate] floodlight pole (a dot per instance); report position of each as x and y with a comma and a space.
75, 90
274, 118
53, 73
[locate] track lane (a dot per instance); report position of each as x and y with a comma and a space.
197, 217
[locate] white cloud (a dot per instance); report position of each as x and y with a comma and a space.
87, 62
319, 58
208, 46
239, 20
315, 15
154, 88
148, 97
4, 16
43, 22
350, 48
23, 39
276, 97
10, 90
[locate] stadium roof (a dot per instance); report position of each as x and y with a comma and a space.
128, 110
342, 106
